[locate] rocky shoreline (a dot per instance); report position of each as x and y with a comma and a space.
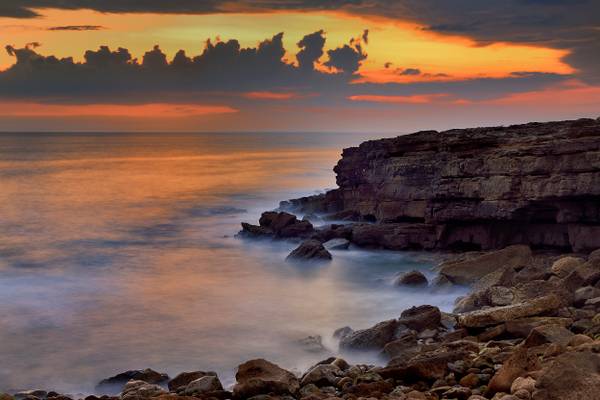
528, 330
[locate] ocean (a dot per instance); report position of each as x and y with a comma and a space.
118, 252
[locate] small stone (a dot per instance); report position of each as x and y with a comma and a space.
470, 380
523, 383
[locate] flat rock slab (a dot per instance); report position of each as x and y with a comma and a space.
497, 315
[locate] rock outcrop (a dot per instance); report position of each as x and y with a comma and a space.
536, 184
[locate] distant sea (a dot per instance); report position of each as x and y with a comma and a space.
117, 252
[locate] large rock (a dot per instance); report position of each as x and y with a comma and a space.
471, 270
260, 377
200, 386
140, 390
571, 376
497, 315
483, 188
421, 318
278, 225
184, 378
411, 278
548, 334
115, 383
518, 364
374, 338
309, 250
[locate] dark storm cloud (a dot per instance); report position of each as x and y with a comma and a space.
311, 49
226, 71
76, 28
221, 67
564, 24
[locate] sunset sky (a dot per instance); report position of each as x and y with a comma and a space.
295, 65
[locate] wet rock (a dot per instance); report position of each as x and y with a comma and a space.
310, 250
405, 347
337, 244
341, 333
184, 378
471, 270
421, 317
374, 338
114, 384
412, 278
278, 225
259, 376
497, 315
322, 375
138, 390
30, 394
312, 344
571, 376
200, 386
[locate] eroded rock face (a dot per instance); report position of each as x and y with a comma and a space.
482, 188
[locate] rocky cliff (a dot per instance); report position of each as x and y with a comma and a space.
482, 188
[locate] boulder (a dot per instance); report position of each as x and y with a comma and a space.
469, 271
312, 344
404, 347
200, 386
184, 378
518, 364
114, 384
260, 377
523, 383
584, 294
496, 315
421, 318
322, 375
594, 255
571, 376
523, 326
139, 390
341, 333
310, 250
412, 278
278, 225
374, 338
565, 265
337, 244
548, 334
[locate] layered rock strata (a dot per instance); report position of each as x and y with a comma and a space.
483, 188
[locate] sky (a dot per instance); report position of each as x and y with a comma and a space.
295, 65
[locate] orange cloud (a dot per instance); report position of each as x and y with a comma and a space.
153, 110
270, 95
568, 93
414, 99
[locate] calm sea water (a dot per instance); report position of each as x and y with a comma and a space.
117, 252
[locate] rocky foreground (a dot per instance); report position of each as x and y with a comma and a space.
530, 329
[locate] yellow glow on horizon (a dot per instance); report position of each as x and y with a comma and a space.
404, 45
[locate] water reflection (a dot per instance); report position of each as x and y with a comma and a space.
117, 252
